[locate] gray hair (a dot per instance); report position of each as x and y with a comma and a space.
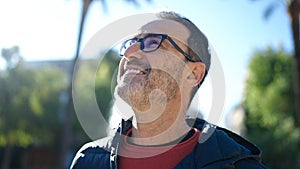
197, 42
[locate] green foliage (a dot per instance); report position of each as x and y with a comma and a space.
31, 111
29, 105
269, 104
99, 73
106, 82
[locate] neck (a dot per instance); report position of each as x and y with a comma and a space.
166, 127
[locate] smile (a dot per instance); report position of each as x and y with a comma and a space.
135, 70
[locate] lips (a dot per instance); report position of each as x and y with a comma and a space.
135, 70
134, 67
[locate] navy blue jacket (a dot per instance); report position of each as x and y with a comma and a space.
217, 148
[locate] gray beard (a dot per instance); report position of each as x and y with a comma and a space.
137, 92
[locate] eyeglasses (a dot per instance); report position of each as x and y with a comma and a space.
150, 43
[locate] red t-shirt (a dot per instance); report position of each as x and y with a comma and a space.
155, 157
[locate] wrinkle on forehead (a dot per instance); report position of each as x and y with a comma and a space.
169, 27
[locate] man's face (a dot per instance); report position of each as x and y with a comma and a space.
141, 73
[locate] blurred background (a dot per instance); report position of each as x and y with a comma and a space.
257, 42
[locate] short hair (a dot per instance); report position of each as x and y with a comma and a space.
198, 46
197, 41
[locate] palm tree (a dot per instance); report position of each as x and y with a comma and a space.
293, 10
293, 7
67, 131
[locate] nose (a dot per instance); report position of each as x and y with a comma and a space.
133, 52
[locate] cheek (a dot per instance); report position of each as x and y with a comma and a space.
163, 78
162, 60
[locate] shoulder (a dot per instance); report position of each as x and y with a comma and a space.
93, 154
220, 147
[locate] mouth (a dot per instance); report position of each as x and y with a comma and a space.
136, 70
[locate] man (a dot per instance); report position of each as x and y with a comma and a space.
161, 69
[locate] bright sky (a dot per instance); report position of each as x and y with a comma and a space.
48, 29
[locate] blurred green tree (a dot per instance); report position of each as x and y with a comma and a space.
29, 107
102, 75
106, 82
270, 111
293, 11
11, 56
32, 102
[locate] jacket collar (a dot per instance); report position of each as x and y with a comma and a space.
216, 146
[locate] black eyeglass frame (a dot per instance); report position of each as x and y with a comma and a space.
163, 37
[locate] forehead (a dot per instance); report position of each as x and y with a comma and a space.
169, 27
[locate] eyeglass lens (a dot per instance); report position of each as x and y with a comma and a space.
148, 43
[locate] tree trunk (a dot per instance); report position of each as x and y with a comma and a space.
67, 117
7, 157
294, 10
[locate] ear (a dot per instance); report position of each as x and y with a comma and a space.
196, 73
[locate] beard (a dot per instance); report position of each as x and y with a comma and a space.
141, 91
